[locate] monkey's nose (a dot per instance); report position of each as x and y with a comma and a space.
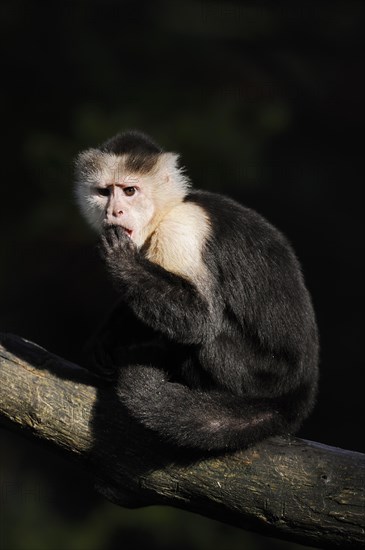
117, 213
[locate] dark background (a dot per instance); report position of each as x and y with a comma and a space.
265, 103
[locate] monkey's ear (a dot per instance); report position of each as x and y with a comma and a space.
169, 164
87, 162
172, 173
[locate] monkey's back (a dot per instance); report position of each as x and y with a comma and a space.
267, 308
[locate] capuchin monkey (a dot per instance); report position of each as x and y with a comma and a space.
214, 342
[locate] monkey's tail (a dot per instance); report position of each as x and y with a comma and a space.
197, 419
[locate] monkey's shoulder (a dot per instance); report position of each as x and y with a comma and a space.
179, 238
225, 212
236, 227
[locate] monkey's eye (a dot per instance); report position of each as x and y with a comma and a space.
103, 191
129, 191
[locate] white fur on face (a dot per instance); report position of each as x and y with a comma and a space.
156, 192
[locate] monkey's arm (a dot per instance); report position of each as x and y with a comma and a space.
162, 299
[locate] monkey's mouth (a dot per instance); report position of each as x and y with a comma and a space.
128, 231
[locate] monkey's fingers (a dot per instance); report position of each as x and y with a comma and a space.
116, 236
109, 242
104, 247
110, 236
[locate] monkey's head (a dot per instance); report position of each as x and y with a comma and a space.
128, 181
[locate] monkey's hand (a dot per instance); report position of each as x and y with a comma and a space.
117, 248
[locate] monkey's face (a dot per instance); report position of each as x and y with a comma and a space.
128, 203
110, 193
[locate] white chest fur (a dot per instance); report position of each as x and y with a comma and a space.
177, 242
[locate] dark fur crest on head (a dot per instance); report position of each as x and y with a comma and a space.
142, 151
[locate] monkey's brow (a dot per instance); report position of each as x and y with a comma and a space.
124, 182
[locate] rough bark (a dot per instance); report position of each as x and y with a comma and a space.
284, 487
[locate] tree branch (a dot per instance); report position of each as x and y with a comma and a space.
284, 487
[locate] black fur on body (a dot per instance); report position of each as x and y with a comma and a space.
212, 367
